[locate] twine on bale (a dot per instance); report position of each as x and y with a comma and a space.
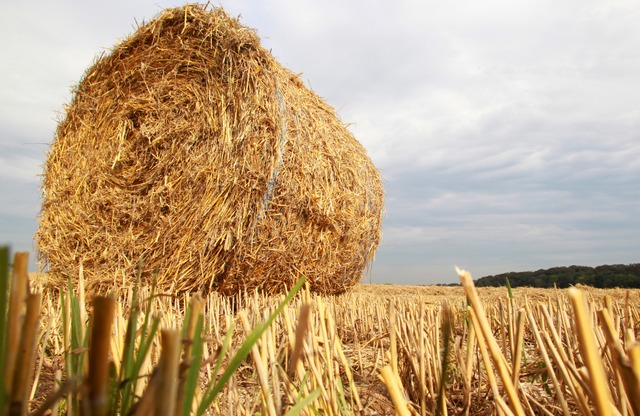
190, 147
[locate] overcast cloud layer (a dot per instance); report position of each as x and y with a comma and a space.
507, 132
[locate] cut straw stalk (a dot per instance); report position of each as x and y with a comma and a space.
337, 344
301, 330
393, 344
469, 363
422, 357
4, 305
498, 359
197, 306
634, 357
517, 355
67, 345
317, 372
394, 386
272, 341
261, 369
103, 315
325, 343
168, 373
26, 357
192, 357
441, 402
486, 359
547, 361
598, 380
622, 364
18, 293
52, 403
567, 368
365, 349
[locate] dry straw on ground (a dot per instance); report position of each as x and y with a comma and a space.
386, 350
190, 147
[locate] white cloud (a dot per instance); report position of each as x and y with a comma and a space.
506, 132
20, 168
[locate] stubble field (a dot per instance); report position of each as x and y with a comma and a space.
378, 349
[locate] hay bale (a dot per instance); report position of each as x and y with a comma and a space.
190, 147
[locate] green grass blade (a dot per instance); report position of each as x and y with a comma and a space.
303, 382
145, 346
147, 315
137, 358
127, 363
77, 342
186, 319
133, 359
207, 396
225, 347
343, 407
246, 347
193, 373
302, 404
127, 377
79, 336
146, 335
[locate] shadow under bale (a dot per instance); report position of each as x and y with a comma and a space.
189, 148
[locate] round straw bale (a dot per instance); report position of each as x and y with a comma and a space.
188, 154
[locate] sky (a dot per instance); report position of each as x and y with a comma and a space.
507, 133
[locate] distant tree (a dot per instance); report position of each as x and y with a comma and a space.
605, 276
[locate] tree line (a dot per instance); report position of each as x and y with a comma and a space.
607, 276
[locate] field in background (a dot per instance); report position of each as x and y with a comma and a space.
418, 350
